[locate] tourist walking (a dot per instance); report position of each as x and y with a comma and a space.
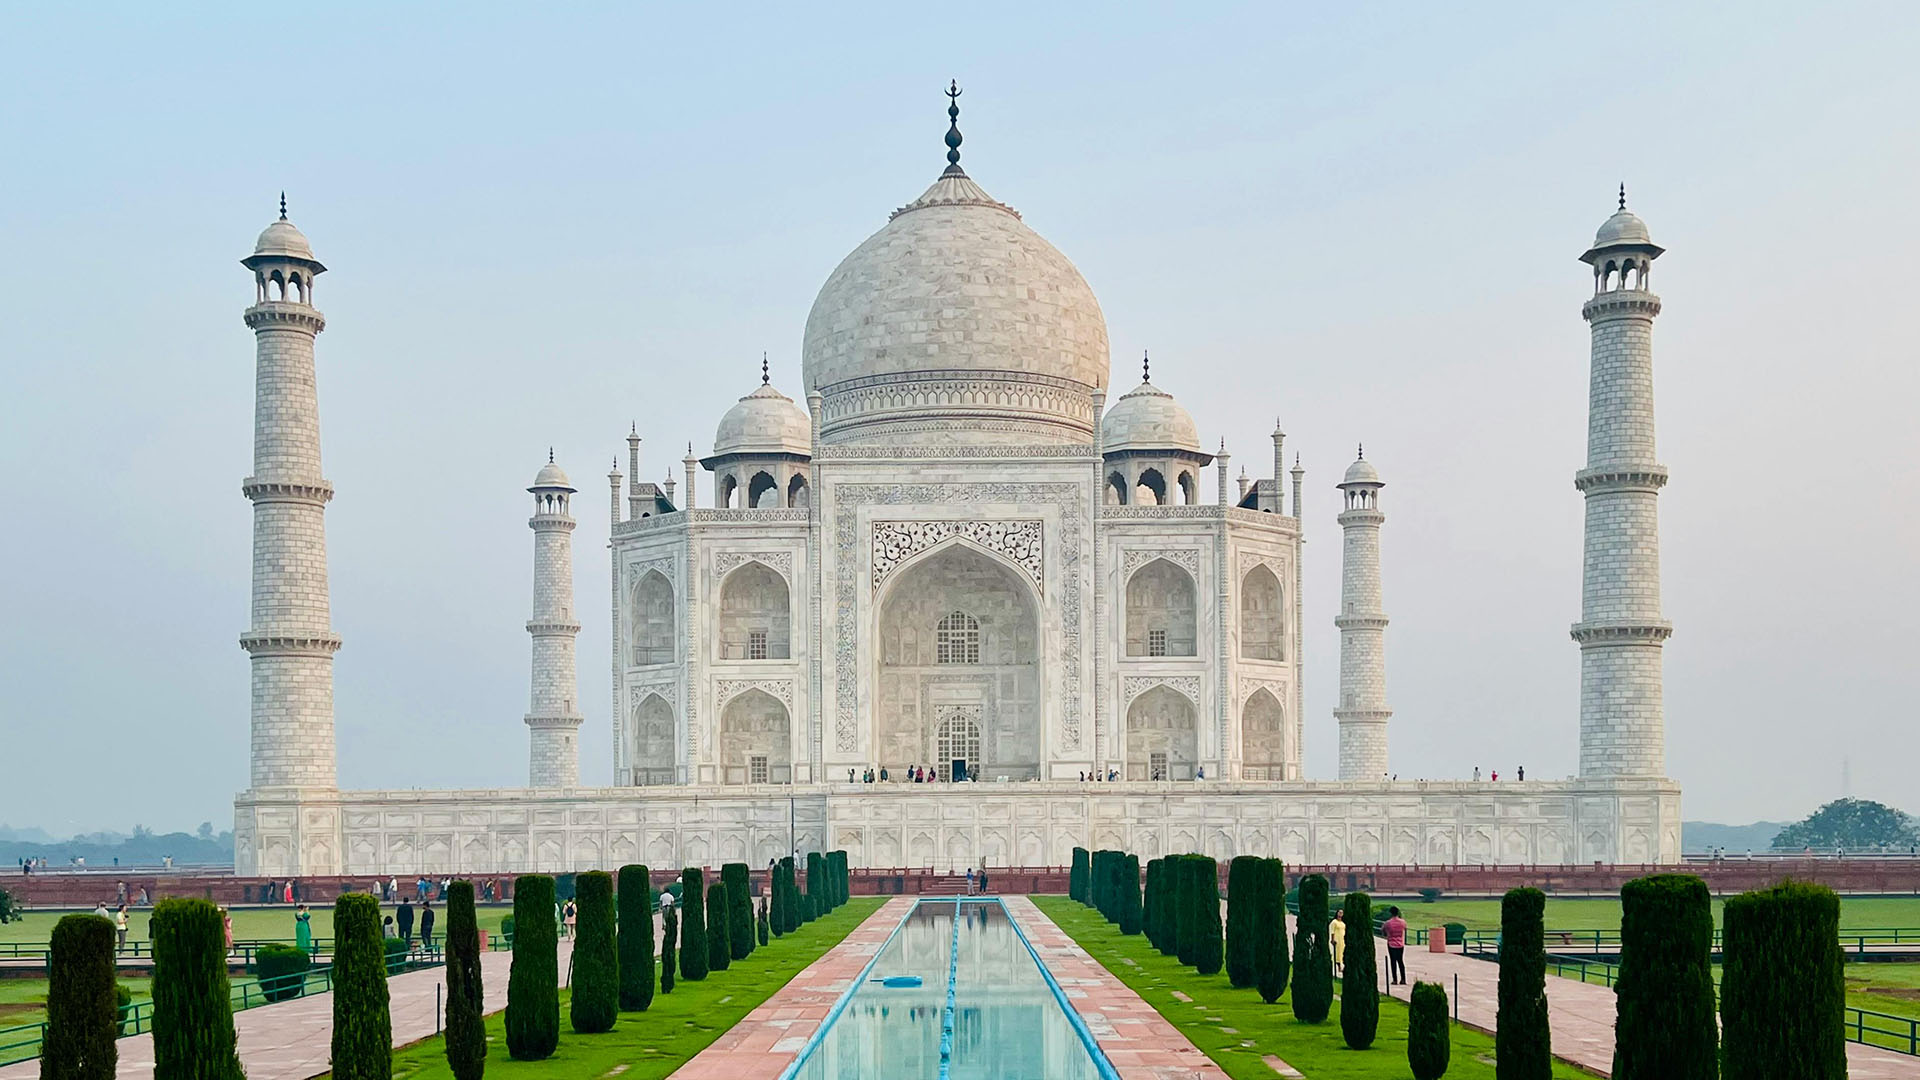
1337, 935
1396, 930
226, 921
426, 925
573, 916
969, 881
303, 930
120, 926
405, 915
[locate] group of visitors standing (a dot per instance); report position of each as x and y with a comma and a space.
1394, 930
915, 774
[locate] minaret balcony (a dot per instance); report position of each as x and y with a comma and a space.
1621, 303
269, 643
1361, 622
314, 492
537, 626
279, 314
1640, 632
1648, 477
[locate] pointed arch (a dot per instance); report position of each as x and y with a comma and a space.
757, 492
1161, 611
1263, 616
1116, 489
756, 743
1263, 737
654, 615
755, 615
653, 740
1162, 736
1151, 488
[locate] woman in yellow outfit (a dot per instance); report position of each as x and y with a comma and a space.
1337, 935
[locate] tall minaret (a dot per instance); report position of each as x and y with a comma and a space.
291, 639
1622, 718
1363, 708
555, 715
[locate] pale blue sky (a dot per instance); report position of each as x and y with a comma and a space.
544, 225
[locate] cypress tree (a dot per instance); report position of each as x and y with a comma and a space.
1147, 924
739, 909
1130, 894
1242, 914
693, 924
817, 882
777, 901
1098, 875
719, 927
1166, 908
83, 1002
1312, 964
596, 956
1522, 1041
193, 1035
763, 922
1077, 875
533, 983
466, 994
636, 939
1184, 927
670, 927
1783, 987
1665, 1026
1429, 1042
1269, 929
1359, 982
1206, 915
362, 1024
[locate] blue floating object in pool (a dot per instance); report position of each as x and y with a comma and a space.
901, 980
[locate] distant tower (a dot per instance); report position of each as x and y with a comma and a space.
554, 717
1621, 633
291, 639
1363, 711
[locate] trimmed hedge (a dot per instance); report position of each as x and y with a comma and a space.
1129, 885
1665, 1026
1148, 916
1783, 987
1077, 875
1270, 961
1522, 1041
193, 1035
635, 894
533, 983
817, 883
1359, 975
281, 971
693, 924
83, 1001
739, 909
1205, 898
362, 1023
1242, 915
595, 1005
762, 923
777, 901
466, 993
1429, 1040
719, 927
670, 926
1312, 962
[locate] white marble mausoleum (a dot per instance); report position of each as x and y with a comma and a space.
955, 547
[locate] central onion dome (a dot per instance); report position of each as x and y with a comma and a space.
955, 322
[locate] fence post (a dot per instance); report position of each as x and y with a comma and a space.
1456, 997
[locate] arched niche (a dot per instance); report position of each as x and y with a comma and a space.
763, 492
1263, 616
755, 620
799, 496
1151, 488
755, 740
987, 613
1160, 611
1116, 489
653, 620
1162, 736
653, 741
1263, 737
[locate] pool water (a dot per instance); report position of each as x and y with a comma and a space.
1007, 1024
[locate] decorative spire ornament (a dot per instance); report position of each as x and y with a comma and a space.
1146, 375
283, 206
953, 126
763, 368
1623, 194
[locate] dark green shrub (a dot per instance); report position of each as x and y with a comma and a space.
596, 956
817, 884
694, 959
1129, 886
281, 971
842, 878
533, 983
763, 923
1206, 915
1097, 881
193, 1035
636, 939
1180, 886
739, 909
9, 908
1783, 987
362, 1024
1312, 962
394, 951
1242, 916
670, 929
123, 1007
1429, 1040
506, 929
1432, 896
776, 902
1270, 961
1522, 1042
1359, 976
1077, 875
83, 1006
1147, 926
719, 927
466, 991
1665, 1027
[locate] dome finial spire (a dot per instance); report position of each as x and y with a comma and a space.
549, 455
1145, 372
953, 126
1623, 194
763, 367
1361, 454
283, 206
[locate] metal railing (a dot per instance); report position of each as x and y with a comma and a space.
21, 1042
1856, 940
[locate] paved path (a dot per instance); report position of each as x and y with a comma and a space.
767, 1040
1142, 1044
1581, 1014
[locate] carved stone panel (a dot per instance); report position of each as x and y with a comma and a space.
894, 542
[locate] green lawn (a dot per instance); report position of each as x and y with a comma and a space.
24, 1001
249, 924
1574, 913
1258, 1029
653, 1044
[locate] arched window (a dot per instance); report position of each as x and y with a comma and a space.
1161, 740
653, 741
756, 740
754, 615
1160, 611
957, 640
798, 497
1152, 489
957, 736
757, 492
1263, 616
653, 619
1189, 489
1116, 490
1263, 738
724, 497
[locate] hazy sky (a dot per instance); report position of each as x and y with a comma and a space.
543, 226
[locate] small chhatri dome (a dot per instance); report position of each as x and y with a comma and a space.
1623, 230
1361, 472
1147, 418
764, 422
281, 240
553, 476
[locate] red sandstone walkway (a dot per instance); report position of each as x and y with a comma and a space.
767, 1040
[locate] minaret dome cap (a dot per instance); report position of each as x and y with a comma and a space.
1362, 472
551, 476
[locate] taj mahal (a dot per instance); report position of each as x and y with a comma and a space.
956, 550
